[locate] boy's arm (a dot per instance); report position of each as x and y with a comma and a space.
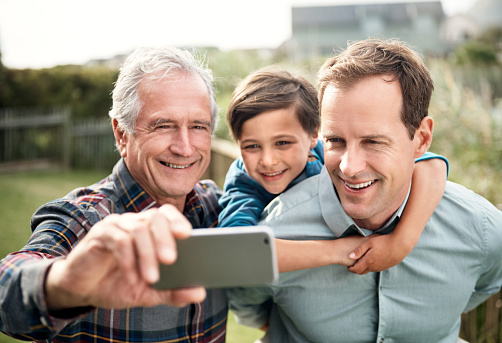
383, 252
297, 255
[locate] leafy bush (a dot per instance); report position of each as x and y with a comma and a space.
85, 90
476, 53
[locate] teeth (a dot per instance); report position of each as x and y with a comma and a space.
359, 185
272, 174
175, 166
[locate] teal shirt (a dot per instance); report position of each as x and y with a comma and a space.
455, 266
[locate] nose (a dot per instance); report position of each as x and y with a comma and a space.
353, 162
268, 158
182, 144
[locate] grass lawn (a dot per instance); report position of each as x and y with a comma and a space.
23, 193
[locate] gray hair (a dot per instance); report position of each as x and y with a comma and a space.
151, 62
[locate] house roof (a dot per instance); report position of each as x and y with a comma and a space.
347, 14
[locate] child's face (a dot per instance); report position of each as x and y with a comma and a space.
275, 148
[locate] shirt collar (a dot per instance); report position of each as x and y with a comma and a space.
134, 198
336, 218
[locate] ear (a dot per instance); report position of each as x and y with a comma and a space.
120, 138
314, 139
423, 136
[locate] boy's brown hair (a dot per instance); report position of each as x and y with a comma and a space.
273, 88
391, 58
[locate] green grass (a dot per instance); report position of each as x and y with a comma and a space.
23, 193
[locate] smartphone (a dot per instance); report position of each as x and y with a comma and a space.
222, 257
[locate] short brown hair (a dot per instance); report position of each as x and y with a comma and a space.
383, 57
273, 88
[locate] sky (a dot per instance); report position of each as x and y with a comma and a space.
45, 33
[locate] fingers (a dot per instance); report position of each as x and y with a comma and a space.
360, 255
360, 268
184, 296
359, 252
155, 239
111, 237
179, 225
170, 225
140, 241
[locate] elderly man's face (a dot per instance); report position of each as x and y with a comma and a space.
171, 148
368, 151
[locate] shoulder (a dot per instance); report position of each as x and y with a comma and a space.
208, 194
474, 215
208, 189
85, 206
465, 199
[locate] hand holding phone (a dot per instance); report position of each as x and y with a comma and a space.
222, 257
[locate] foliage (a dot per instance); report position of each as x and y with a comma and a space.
476, 53
85, 90
493, 37
468, 129
483, 50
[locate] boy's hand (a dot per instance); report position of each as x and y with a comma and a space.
378, 253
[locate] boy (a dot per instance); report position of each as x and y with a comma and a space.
274, 117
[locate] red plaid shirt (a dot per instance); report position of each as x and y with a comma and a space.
57, 228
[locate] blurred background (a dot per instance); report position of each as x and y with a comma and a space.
59, 59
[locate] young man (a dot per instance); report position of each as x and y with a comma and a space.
87, 270
374, 101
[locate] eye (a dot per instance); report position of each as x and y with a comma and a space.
282, 143
251, 146
200, 127
334, 140
163, 127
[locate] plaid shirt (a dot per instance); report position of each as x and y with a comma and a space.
57, 227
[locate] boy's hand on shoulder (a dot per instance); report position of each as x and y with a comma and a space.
379, 253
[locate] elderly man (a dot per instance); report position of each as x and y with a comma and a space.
86, 271
374, 101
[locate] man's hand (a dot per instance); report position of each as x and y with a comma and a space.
116, 263
380, 252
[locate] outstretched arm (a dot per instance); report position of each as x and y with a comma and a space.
297, 255
385, 251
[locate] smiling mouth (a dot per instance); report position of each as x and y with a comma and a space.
273, 174
359, 185
177, 166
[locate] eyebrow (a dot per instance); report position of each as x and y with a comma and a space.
202, 122
170, 121
273, 137
378, 137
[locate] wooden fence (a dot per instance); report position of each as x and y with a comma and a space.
33, 139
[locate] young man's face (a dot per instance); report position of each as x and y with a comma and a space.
171, 148
275, 148
368, 151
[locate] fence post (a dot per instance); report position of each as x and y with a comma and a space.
66, 137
